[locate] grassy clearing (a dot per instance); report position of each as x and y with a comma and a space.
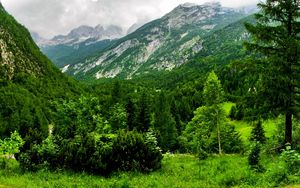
177, 171
244, 128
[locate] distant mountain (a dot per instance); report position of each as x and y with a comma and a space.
78, 44
162, 44
86, 34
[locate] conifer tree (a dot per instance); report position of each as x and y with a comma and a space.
131, 111
144, 114
276, 40
165, 124
258, 133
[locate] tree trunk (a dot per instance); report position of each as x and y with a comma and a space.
288, 128
219, 140
219, 137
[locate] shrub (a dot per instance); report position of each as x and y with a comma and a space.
291, 159
134, 151
95, 153
254, 158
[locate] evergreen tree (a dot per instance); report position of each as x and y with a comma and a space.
116, 92
258, 133
144, 114
165, 124
276, 39
131, 111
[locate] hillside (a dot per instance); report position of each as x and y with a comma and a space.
29, 81
163, 44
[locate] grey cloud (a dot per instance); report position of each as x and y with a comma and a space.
53, 17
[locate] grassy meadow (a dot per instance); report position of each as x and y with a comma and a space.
177, 171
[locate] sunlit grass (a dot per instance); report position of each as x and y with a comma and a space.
177, 171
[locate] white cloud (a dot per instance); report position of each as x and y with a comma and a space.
53, 17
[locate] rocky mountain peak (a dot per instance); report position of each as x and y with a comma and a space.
86, 33
189, 13
82, 31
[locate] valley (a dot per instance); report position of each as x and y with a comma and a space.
201, 96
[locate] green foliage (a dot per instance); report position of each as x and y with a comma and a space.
202, 136
78, 117
275, 39
118, 118
213, 93
23, 112
134, 151
232, 113
165, 124
292, 160
144, 114
258, 133
231, 140
12, 145
131, 110
254, 157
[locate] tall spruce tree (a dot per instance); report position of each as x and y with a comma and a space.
165, 124
131, 111
276, 40
144, 114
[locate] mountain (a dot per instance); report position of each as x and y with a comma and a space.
78, 44
19, 53
21, 61
219, 49
162, 44
29, 82
87, 35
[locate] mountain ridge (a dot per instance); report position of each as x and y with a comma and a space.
162, 44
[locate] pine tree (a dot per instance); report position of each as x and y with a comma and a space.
131, 111
165, 124
116, 92
258, 133
144, 114
276, 40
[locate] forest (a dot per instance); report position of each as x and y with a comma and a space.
206, 124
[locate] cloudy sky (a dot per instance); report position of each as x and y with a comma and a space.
53, 17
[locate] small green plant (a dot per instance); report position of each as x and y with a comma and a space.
254, 158
9, 147
291, 159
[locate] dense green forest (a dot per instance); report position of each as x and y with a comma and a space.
216, 124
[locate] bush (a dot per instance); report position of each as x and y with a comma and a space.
254, 158
95, 153
90, 153
292, 160
134, 151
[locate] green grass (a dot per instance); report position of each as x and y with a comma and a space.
227, 107
177, 171
244, 128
